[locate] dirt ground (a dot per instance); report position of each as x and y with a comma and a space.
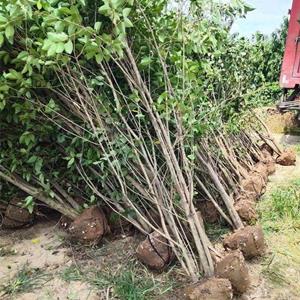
41, 247
44, 249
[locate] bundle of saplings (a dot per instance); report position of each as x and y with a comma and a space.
137, 107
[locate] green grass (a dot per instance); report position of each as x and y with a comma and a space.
72, 273
279, 214
25, 280
281, 209
128, 285
274, 271
129, 282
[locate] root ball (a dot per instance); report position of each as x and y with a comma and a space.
234, 268
250, 240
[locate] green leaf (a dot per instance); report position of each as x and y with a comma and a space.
34, 28
1, 40
248, 8
61, 138
59, 26
32, 159
29, 204
97, 26
92, 199
38, 165
57, 36
71, 162
39, 5
117, 3
3, 19
126, 12
127, 23
46, 45
71, 29
28, 200
52, 50
59, 48
146, 61
99, 58
9, 33
104, 9
69, 47
13, 75
27, 138
2, 104
50, 107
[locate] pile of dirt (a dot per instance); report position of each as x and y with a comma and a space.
279, 122
209, 289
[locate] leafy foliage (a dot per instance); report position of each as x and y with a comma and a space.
220, 77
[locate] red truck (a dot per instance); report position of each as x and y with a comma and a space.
290, 71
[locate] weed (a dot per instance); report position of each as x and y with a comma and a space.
72, 273
127, 285
280, 217
100, 279
281, 208
5, 251
274, 271
130, 282
25, 280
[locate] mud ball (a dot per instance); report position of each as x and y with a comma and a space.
246, 210
271, 167
234, 268
287, 158
155, 252
246, 196
90, 226
261, 169
255, 183
269, 161
209, 289
250, 240
16, 216
208, 211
